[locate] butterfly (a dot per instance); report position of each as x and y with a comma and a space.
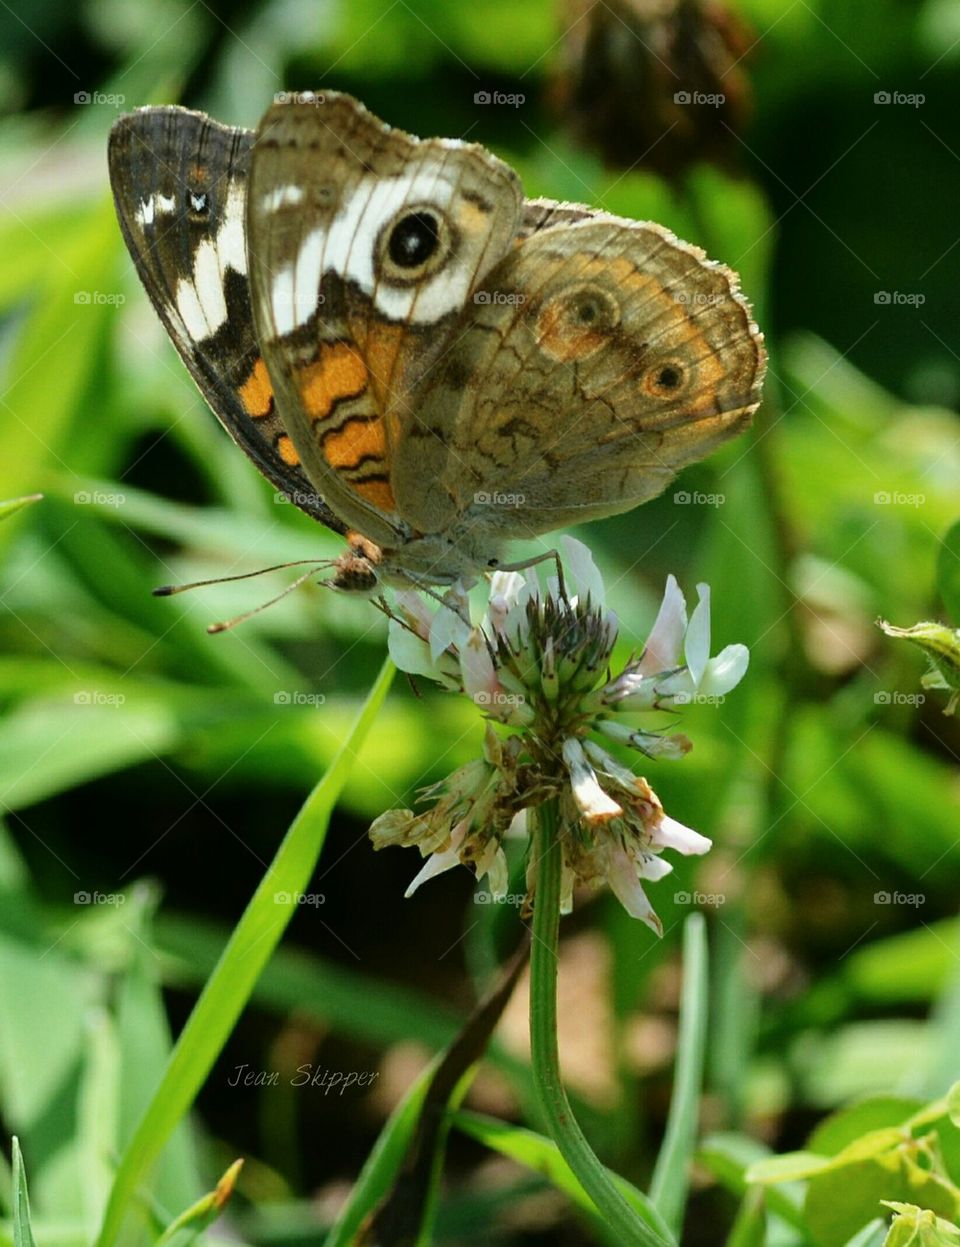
412, 352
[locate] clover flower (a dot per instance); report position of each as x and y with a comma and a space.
537, 664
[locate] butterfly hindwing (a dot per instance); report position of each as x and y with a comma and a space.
604, 356
180, 184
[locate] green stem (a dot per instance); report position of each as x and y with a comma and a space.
561, 1123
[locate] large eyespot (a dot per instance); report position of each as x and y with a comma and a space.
578, 322
414, 244
665, 379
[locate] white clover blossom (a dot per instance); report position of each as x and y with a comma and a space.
537, 663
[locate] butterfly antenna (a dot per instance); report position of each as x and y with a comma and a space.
227, 624
166, 591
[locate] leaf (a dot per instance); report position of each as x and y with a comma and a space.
797, 1165
22, 1233
919, 1227
671, 1174
13, 505
543, 1156
948, 573
728, 1156
849, 1124
51, 745
195, 1219
404, 1214
56, 354
750, 1227
873, 1234
953, 1104
229, 988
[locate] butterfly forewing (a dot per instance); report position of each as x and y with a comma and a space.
180, 183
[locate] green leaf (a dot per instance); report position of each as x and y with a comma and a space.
849, 1124
204, 1212
52, 745
671, 1174
873, 1234
383, 1162
231, 985
796, 1165
22, 1233
53, 362
948, 573
13, 505
543, 1156
750, 1227
953, 1104
729, 1156
919, 1227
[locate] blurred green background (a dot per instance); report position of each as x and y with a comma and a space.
147, 770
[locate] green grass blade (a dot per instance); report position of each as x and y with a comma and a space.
232, 982
543, 1156
384, 1160
671, 1174
12, 505
22, 1233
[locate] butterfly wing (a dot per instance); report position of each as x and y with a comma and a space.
366, 242
180, 183
598, 358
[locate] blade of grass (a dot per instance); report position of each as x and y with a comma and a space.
232, 982
671, 1174
542, 1155
22, 1233
407, 1214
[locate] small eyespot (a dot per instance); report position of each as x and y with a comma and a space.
665, 379
493, 562
414, 239
577, 322
197, 201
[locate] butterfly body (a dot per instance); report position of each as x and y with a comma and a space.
414, 354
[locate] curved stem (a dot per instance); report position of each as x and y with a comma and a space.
545, 1057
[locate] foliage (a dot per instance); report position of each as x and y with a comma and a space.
148, 771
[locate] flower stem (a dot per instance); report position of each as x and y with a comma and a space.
561, 1123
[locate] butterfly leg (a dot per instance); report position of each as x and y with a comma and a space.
522, 564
